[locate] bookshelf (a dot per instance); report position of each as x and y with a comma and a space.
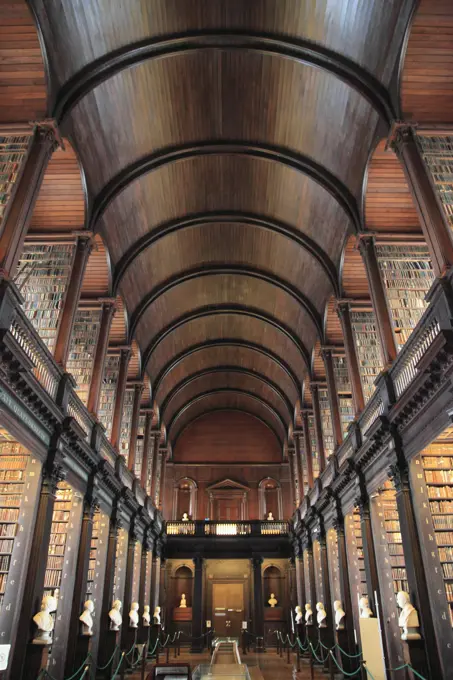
356, 563
437, 152
119, 578
108, 392
83, 346
91, 575
314, 449
136, 575
368, 349
407, 275
326, 421
343, 386
58, 538
42, 278
126, 423
319, 580
140, 445
13, 149
333, 561
95, 588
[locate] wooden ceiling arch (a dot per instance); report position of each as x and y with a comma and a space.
240, 375
225, 398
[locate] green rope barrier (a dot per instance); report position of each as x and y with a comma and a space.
349, 675
350, 656
45, 673
102, 668
319, 660
131, 650
304, 649
115, 675
368, 672
406, 665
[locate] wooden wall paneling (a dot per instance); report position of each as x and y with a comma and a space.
354, 280
96, 279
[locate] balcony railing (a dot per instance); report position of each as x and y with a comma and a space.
226, 529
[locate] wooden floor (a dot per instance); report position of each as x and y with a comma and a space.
267, 666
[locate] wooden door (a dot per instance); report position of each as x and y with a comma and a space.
228, 509
228, 608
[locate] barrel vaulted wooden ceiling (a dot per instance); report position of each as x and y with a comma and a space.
224, 146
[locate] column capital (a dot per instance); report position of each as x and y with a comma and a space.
400, 134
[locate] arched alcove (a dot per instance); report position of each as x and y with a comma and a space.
185, 499
270, 498
273, 582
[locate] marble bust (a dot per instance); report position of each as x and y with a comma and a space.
321, 615
133, 615
156, 615
183, 603
272, 601
115, 616
146, 616
339, 615
408, 619
298, 611
185, 517
270, 517
44, 620
86, 617
364, 606
308, 615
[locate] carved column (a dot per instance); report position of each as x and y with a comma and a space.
119, 396
433, 221
147, 450
333, 397
344, 313
258, 613
197, 605
138, 391
109, 637
421, 654
78, 645
300, 469
318, 426
25, 662
328, 632
379, 300
128, 633
310, 588
295, 476
156, 574
107, 314
307, 450
71, 302
300, 581
154, 445
144, 590
158, 477
18, 213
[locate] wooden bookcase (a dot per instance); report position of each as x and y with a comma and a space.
356, 564
13, 149
140, 446
333, 561
437, 152
98, 558
407, 275
58, 539
83, 347
119, 578
42, 278
314, 448
343, 386
319, 580
391, 564
326, 420
126, 422
368, 349
108, 392
136, 576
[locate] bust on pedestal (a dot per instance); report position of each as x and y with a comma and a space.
339, 615
115, 616
146, 616
408, 619
364, 607
44, 620
185, 517
86, 617
156, 615
272, 601
321, 615
183, 603
298, 611
133, 615
270, 517
308, 615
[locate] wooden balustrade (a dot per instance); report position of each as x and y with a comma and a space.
226, 528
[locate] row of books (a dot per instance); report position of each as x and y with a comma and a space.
446, 554
441, 462
439, 476
449, 591
443, 522
8, 530
440, 492
444, 538
447, 569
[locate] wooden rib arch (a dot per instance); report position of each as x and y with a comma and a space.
225, 369
250, 219
216, 310
225, 390
169, 366
301, 50
233, 270
278, 154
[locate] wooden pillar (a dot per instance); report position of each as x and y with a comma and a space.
18, 213
78, 645
295, 475
109, 637
147, 450
300, 469
163, 474
157, 482
344, 313
128, 634
71, 302
156, 573
197, 605
345, 638
108, 311
318, 426
119, 396
433, 221
26, 659
138, 391
144, 590
258, 612
307, 450
422, 655
300, 581
329, 631
333, 397
154, 445
310, 589
379, 301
